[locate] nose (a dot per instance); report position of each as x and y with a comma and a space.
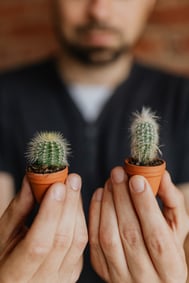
99, 9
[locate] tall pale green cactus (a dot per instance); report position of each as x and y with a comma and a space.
144, 137
47, 152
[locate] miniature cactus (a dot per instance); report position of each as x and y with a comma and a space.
47, 152
145, 150
145, 138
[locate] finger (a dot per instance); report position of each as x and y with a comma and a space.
138, 260
97, 257
63, 236
168, 193
69, 266
110, 239
76, 271
8, 247
157, 234
174, 206
27, 257
15, 215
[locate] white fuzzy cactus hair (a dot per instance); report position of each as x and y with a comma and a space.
144, 137
47, 151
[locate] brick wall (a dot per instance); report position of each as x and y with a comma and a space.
26, 34
166, 40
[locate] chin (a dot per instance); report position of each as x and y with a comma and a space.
96, 56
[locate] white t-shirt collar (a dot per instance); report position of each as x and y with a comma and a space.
90, 99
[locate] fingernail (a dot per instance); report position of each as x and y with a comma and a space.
98, 195
58, 192
75, 182
118, 176
137, 184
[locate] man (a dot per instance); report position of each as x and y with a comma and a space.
88, 93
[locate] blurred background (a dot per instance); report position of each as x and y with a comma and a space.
26, 34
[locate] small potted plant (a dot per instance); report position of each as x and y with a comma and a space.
145, 153
46, 161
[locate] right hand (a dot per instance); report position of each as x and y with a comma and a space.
131, 240
52, 249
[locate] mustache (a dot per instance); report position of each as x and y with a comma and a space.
99, 26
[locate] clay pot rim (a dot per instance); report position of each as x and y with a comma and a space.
41, 178
146, 167
45, 173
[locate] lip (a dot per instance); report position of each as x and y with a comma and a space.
98, 38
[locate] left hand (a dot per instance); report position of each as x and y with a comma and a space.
131, 240
51, 250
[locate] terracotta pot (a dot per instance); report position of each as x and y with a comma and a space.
153, 174
41, 182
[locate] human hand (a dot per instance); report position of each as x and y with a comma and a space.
130, 239
52, 249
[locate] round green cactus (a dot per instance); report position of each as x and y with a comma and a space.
144, 137
47, 152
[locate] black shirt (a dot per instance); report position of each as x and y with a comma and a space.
35, 99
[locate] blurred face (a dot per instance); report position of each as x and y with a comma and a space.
98, 32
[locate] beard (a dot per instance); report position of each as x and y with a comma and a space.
92, 55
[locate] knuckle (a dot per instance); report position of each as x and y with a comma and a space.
157, 243
94, 242
93, 239
81, 241
37, 249
62, 241
131, 237
107, 240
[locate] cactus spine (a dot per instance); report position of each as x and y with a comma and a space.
144, 138
47, 152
